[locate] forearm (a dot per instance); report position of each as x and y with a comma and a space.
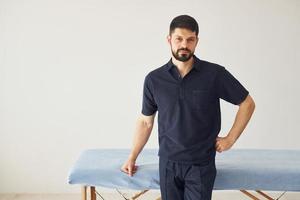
242, 118
141, 136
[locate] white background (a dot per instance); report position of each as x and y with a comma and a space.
71, 75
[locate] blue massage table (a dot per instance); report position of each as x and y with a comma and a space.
237, 169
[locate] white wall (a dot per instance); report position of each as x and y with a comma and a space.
71, 75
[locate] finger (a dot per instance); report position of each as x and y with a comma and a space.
130, 171
124, 170
220, 149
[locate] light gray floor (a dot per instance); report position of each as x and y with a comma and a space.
217, 195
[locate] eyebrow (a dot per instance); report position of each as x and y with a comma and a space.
192, 37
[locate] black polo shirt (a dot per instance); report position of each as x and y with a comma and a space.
189, 117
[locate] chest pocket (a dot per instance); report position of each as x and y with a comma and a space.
200, 99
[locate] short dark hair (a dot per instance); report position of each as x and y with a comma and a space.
184, 21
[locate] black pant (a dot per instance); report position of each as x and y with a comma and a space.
180, 181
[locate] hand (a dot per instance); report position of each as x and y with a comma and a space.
129, 167
224, 143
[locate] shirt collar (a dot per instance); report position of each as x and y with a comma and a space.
196, 64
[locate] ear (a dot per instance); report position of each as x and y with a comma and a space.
169, 39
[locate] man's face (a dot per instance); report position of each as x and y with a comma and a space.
183, 43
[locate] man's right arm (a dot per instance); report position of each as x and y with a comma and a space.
143, 130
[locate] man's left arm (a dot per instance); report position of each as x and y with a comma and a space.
246, 109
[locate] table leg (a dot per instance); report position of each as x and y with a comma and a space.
93, 193
264, 194
83, 193
249, 195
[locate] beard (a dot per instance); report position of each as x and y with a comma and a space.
183, 57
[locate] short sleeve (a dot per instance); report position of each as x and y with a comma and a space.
229, 88
149, 106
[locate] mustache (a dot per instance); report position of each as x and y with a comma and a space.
185, 49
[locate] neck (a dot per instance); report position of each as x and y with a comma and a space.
183, 67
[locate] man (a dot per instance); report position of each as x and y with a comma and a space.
186, 93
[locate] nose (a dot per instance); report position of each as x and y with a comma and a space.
184, 44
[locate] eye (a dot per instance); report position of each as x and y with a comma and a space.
178, 39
